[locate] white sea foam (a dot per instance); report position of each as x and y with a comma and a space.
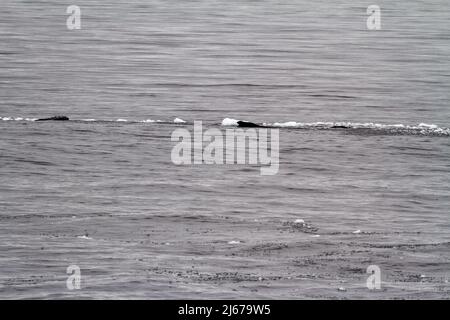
428, 126
84, 237
178, 120
286, 124
357, 125
229, 122
122, 120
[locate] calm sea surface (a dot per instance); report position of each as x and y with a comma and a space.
104, 194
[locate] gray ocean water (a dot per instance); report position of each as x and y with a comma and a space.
104, 194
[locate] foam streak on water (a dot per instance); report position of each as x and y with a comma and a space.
422, 128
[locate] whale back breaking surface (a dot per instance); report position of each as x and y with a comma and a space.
54, 118
248, 124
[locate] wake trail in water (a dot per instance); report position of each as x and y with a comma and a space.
401, 129
176, 120
355, 127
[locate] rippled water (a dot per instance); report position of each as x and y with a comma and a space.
104, 194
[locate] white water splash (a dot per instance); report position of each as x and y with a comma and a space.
229, 122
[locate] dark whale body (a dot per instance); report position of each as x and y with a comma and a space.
55, 118
339, 127
248, 124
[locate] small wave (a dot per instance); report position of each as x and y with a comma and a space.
17, 119
178, 120
84, 237
229, 122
